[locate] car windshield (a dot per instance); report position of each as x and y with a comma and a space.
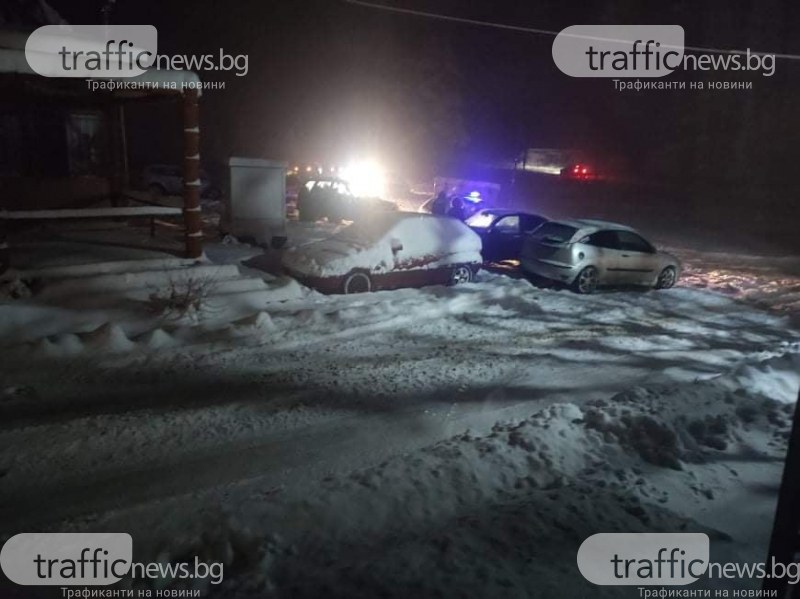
481, 220
554, 232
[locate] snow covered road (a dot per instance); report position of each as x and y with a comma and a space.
269, 420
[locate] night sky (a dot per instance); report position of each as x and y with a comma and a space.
328, 80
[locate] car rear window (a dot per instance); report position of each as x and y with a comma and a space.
554, 232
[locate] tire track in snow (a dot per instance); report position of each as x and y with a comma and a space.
298, 456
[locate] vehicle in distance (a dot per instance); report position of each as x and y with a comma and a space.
471, 204
503, 231
587, 254
387, 251
331, 198
580, 172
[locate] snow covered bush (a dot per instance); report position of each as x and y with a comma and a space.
182, 298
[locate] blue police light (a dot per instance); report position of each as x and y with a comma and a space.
473, 197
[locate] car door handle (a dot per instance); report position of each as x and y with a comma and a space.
626, 255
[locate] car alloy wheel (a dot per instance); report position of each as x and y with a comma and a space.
461, 275
357, 282
586, 282
667, 278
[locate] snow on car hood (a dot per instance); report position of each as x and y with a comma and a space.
420, 241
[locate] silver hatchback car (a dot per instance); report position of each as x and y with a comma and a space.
589, 253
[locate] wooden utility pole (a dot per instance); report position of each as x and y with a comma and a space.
192, 216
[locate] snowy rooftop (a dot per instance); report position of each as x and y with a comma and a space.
13, 61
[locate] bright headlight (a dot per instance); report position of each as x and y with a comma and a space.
365, 178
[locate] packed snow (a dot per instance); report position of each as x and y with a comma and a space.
771, 282
421, 442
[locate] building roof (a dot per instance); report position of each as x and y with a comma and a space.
13, 61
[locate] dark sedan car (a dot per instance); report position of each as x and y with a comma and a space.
503, 231
331, 198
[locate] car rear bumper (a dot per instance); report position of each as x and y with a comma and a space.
556, 271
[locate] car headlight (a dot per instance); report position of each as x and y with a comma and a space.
366, 178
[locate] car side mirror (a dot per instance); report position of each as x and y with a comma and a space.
397, 246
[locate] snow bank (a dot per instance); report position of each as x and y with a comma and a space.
391, 241
67, 311
503, 514
775, 377
94, 269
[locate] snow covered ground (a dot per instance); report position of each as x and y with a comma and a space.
434, 442
772, 283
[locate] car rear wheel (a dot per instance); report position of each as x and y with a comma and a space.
460, 275
586, 281
357, 282
667, 278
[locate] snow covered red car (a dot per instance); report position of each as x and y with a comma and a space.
387, 251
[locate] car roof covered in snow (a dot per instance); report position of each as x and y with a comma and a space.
378, 224
593, 224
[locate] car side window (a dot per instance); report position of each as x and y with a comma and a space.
604, 239
632, 242
531, 223
507, 224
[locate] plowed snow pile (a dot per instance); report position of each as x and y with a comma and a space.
503, 514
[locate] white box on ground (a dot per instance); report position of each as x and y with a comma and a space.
258, 200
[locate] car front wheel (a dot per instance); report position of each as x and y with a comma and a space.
586, 281
460, 275
667, 278
357, 282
